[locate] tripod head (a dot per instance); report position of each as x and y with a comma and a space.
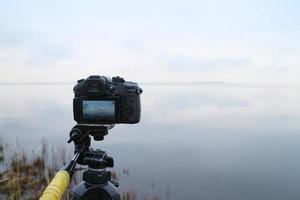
80, 135
97, 183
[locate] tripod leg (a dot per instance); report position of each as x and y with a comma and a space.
59, 184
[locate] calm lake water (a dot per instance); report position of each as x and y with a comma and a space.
194, 141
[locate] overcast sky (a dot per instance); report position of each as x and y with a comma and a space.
202, 40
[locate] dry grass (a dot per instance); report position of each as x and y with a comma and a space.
129, 195
25, 176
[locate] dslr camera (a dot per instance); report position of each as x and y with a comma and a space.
104, 100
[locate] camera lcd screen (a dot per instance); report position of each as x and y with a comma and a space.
103, 110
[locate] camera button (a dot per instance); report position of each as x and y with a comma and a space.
130, 89
118, 79
128, 112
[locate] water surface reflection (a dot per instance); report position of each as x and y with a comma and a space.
193, 142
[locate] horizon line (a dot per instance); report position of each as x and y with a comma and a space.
66, 83
212, 83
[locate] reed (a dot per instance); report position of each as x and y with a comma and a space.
25, 175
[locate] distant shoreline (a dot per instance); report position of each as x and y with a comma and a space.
194, 83
146, 83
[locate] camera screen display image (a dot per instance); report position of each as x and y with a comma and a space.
98, 110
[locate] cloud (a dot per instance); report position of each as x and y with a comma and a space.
169, 46
190, 63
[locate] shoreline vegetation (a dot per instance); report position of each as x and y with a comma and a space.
24, 176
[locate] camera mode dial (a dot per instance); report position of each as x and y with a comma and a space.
118, 79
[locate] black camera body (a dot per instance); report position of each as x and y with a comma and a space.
101, 100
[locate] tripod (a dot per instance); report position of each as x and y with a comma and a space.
97, 183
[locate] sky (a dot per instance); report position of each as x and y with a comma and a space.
245, 41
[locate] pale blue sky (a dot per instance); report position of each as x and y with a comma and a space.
232, 41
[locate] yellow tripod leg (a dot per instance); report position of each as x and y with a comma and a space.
57, 186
